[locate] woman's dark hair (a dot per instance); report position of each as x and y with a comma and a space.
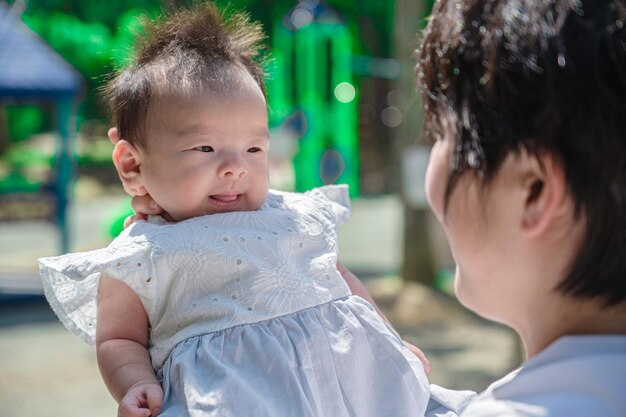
546, 76
182, 54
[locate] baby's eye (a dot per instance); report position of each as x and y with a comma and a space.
204, 148
254, 149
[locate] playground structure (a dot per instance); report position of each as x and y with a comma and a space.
32, 73
311, 89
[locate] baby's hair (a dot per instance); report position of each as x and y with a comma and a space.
545, 76
183, 54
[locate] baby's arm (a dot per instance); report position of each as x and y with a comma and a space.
357, 288
121, 346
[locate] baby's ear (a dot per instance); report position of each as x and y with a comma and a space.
113, 135
127, 161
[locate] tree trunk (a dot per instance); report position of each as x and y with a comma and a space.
417, 259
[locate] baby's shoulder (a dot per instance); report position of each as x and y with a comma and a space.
330, 201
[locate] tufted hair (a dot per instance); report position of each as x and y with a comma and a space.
183, 53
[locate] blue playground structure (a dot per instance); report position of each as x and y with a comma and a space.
312, 87
32, 73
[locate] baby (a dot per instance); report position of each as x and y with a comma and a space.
230, 303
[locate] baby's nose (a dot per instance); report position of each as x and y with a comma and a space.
233, 166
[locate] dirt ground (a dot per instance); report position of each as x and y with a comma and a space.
48, 372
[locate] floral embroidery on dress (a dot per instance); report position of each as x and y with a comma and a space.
212, 272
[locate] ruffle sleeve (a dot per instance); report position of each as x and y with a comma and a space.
339, 198
70, 281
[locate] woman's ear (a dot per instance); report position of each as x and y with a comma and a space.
545, 192
127, 161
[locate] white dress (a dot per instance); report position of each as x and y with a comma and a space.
248, 313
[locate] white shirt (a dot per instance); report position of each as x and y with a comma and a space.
576, 376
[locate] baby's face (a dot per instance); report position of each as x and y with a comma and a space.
208, 156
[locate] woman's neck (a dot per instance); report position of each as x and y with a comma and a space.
567, 316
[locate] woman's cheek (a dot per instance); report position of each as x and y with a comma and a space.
437, 178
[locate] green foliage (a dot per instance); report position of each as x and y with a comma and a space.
104, 12
84, 45
96, 36
17, 183
25, 121
20, 157
121, 45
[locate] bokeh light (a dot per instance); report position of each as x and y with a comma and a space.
345, 92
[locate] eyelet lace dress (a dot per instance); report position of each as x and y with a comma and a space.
248, 313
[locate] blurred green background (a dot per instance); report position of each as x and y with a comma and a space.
358, 134
95, 37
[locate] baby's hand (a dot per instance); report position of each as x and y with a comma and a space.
143, 400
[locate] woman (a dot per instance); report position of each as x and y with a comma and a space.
526, 101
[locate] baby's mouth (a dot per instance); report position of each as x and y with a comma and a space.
227, 198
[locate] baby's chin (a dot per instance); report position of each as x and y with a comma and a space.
231, 208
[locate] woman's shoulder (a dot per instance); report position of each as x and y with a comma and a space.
576, 376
